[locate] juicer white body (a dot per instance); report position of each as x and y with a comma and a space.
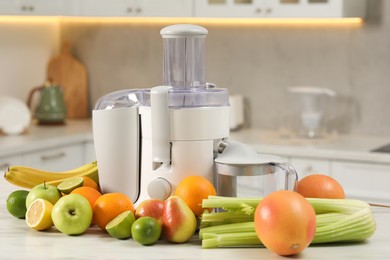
194, 136
130, 159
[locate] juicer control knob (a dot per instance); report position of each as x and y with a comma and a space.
159, 188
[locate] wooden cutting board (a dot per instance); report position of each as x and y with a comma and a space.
71, 75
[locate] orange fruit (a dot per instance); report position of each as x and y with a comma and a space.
89, 193
285, 222
320, 186
110, 205
89, 182
193, 189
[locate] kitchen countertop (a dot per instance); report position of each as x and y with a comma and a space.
352, 147
39, 137
18, 241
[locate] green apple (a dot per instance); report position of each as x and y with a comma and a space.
43, 191
72, 214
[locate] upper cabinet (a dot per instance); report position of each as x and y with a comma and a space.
188, 8
280, 8
144, 8
36, 7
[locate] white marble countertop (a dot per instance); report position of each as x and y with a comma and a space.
351, 147
20, 242
39, 137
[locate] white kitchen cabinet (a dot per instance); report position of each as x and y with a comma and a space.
56, 159
8, 161
143, 8
228, 8
5, 187
280, 8
171, 8
306, 166
187, 8
316, 8
36, 7
367, 181
8, 7
89, 152
107, 7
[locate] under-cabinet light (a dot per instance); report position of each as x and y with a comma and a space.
205, 21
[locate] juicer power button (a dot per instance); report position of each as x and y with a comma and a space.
159, 188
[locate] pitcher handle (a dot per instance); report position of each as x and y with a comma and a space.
291, 175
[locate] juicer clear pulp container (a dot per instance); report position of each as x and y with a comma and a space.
184, 68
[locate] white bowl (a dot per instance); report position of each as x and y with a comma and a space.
15, 116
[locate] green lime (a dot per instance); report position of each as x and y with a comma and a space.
70, 184
16, 203
146, 230
120, 226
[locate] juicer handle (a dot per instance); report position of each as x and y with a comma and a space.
161, 146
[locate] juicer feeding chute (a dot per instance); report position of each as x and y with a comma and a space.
184, 56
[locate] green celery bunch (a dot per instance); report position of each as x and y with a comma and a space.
232, 223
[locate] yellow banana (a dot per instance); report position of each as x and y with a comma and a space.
49, 175
28, 177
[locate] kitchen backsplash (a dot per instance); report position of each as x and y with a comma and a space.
259, 62
25, 49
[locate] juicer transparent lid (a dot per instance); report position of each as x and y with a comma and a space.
177, 98
183, 70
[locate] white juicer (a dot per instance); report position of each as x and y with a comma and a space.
148, 140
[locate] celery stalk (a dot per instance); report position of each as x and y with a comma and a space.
229, 202
245, 239
328, 218
338, 220
220, 218
345, 206
228, 228
353, 228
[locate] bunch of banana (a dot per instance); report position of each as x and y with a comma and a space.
28, 177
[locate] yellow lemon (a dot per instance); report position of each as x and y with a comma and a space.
38, 215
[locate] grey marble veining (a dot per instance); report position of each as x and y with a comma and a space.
258, 62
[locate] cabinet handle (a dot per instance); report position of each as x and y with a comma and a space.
129, 10
5, 166
268, 10
52, 156
138, 10
258, 10
27, 8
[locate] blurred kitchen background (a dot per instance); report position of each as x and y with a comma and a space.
258, 61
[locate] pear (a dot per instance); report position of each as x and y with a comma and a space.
179, 222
